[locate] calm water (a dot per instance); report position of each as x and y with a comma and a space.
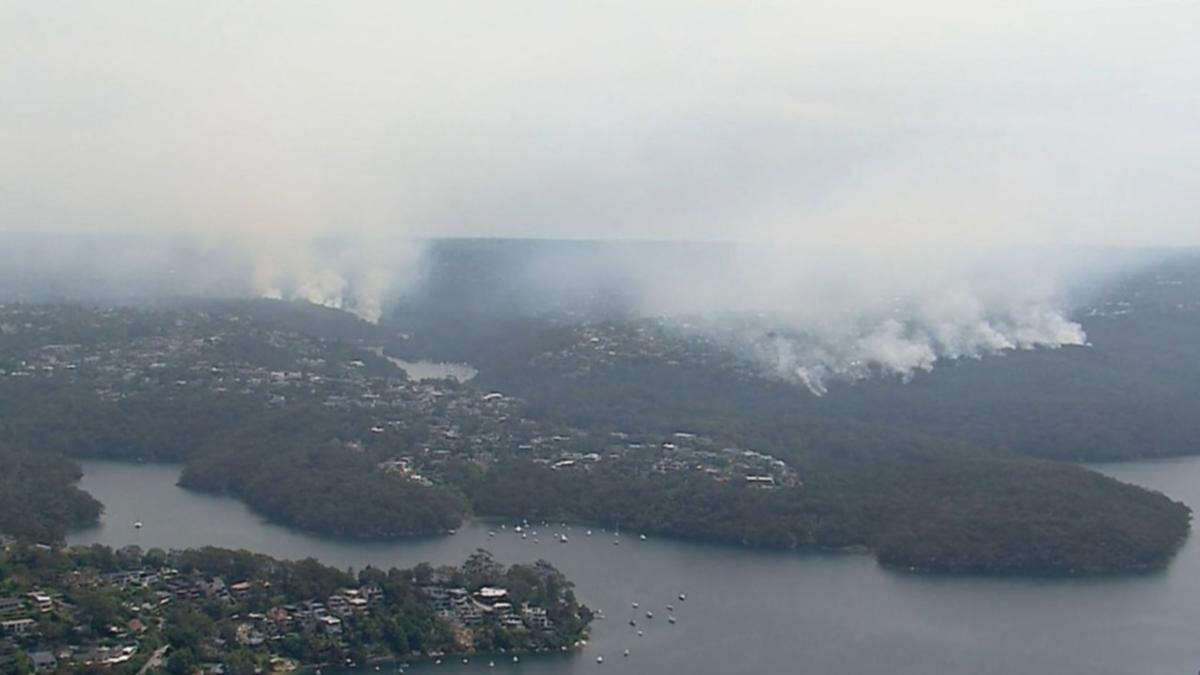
750, 611
431, 370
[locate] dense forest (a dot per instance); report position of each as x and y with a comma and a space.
278, 466
38, 496
280, 404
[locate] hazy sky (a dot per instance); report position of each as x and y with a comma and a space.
848, 121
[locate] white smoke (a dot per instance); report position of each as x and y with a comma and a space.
357, 276
815, 316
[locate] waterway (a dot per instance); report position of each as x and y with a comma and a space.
431, 370
747, 611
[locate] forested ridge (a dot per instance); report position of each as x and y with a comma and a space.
295, 410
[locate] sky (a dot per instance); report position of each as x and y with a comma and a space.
858, 123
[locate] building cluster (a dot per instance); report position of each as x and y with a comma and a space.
413, 428
462, 608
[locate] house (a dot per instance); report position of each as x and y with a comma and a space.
329, 624
17, 626
536, 617
12, 608
43, 661
491, 594
43, 602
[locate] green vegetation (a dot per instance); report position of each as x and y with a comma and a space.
38, 496
617, 420
112, 610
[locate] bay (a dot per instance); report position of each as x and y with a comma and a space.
747, 611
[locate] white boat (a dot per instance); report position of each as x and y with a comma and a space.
649, 614
516, 659
137, 524
626, 652
562, 538
671, 619
599, 659
643, 537
682, 596
635, 605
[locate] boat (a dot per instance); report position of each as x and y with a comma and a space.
589, 533
516, 659
562, 538
670, 619
491, 664
643, 537
626, 653
633, 622
670, 608
640, 633
137, 524
649, 614
616, 543
682, 596
599, 659
635, 605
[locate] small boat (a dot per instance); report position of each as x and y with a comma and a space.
616, 543
670, 619
649, 614
670, 608
633, 622
626, 653
137, 524
491, 664
643, 537
599, 659
635, 605
683, 596
516, 659
562, 538
589, 533
640, 633
466, 661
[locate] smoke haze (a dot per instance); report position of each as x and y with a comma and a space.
884, 169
